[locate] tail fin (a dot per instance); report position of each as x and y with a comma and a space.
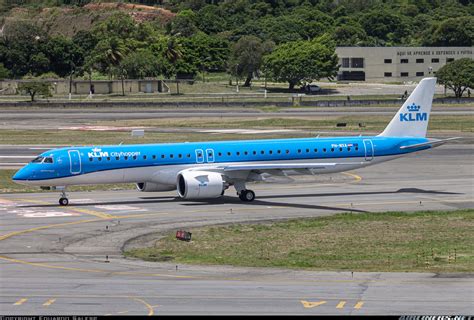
412, 118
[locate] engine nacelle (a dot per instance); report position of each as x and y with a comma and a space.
200, 184
150, 187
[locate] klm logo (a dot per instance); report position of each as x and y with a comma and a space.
413, 114
97, 153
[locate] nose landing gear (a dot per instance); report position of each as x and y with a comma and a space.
63, 201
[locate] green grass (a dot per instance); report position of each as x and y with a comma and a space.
8, 186
372, 123
394, 241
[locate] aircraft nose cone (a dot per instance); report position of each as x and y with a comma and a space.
21, 174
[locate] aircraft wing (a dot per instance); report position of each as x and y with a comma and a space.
432, 143
284, 166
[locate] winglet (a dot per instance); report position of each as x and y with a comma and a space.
412, 118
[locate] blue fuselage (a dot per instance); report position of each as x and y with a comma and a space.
66, 164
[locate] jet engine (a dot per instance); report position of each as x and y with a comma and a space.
200, 185
150, 187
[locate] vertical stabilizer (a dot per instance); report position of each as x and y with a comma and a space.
412, 118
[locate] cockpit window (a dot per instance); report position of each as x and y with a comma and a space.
37, 160
42, 160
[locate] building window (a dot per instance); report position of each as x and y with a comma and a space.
435, 60
420, 74
449, 60
404, 61
345, 62
387, 60
404, 74
357, 62
387, 74
420, 60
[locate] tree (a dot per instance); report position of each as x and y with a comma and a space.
452, 32
457, 75
298, 61
35, 87
4, 72
246, 57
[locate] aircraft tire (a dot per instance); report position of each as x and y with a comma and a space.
63, 201
247, 195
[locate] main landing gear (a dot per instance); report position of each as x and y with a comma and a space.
63, 201
243, 193
247, 195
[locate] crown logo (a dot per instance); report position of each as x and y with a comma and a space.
413, 108
96, 149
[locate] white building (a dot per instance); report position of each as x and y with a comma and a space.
395, 64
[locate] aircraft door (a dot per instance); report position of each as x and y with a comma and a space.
210, 155
75, 161
199, 156
369, 150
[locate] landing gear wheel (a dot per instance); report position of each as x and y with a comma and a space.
64, 201
247, 195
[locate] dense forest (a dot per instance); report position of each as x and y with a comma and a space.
242, 37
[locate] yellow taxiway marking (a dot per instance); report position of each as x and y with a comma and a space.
72, 208
356, 177
93, 213
150, 308
359, 305
308, 304
20, 302
49, 302
50, 266
15, 233
341, 304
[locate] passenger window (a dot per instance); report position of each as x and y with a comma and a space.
279, 151
270, 152
171, 156
144, 157
315, 150
246, 153
307, 150
117, 158
262, 152
126, 157
332, 149
188, 155
324, 150
287, 151
299, 150
154, 157
255, 152
228, 153
108, 158
357, 148
348, 148
238, 153
99, 158
90, 159
134, 157
340, 149
162, 156
220, 154
180, 156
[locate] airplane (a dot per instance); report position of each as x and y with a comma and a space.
205, 170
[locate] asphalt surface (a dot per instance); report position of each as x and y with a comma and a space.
53, 118
67, 260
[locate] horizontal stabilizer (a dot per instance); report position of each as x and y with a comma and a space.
432, 143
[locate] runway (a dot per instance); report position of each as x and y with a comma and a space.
67, 260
